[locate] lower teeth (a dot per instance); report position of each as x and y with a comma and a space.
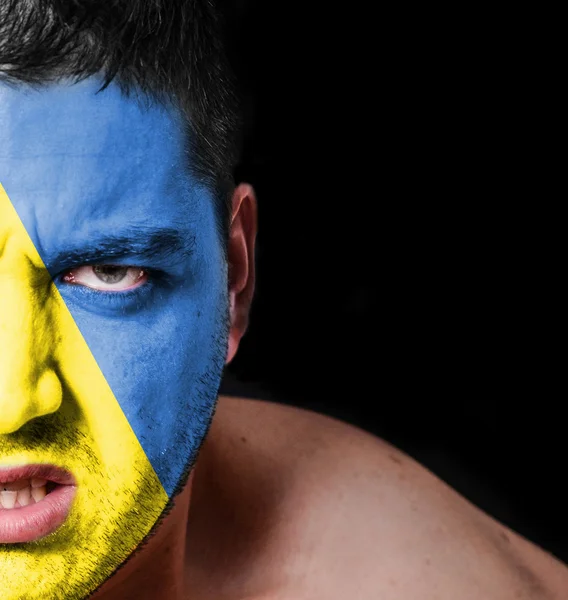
11, 498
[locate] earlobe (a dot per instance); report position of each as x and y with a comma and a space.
231, 349
235, 333
232, 307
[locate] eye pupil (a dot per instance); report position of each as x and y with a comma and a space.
110, 273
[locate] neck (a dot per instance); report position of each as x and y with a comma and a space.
157, 569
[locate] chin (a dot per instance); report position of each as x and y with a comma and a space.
108, 521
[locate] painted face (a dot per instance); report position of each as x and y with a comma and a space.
113, 331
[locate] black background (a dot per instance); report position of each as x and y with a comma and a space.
394, 291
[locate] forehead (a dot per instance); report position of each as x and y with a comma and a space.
91, 154
39, 113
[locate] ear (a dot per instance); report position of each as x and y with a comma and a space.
242, 236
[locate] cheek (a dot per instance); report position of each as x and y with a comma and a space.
164, 369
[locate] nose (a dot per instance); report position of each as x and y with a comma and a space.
29, 384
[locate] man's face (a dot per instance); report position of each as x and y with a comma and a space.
113, 330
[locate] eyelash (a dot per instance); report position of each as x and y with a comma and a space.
125, 299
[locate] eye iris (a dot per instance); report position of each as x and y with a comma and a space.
110, 273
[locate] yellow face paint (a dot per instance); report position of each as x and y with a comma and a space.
48, 374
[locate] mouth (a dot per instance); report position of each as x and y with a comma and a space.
35, 500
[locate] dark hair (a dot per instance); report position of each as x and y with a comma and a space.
171, 50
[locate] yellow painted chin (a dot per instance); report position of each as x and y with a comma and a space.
109, 518
67, 415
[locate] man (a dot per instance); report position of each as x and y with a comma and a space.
126, 278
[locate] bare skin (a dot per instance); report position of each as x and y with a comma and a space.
287, 504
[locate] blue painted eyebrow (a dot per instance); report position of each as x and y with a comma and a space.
141, 242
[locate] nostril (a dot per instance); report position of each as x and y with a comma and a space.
10, 421
19, 407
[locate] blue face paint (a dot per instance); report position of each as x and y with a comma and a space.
101, 179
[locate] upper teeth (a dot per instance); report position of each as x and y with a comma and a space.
21, 493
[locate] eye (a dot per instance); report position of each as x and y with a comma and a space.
107, 278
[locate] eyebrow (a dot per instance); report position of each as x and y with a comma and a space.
141, 242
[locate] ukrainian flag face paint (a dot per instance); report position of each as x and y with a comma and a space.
113, 330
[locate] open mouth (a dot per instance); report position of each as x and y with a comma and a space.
34, 501
24, 492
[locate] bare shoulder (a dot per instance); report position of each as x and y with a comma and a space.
319, 508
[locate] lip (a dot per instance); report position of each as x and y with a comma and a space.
32, 522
